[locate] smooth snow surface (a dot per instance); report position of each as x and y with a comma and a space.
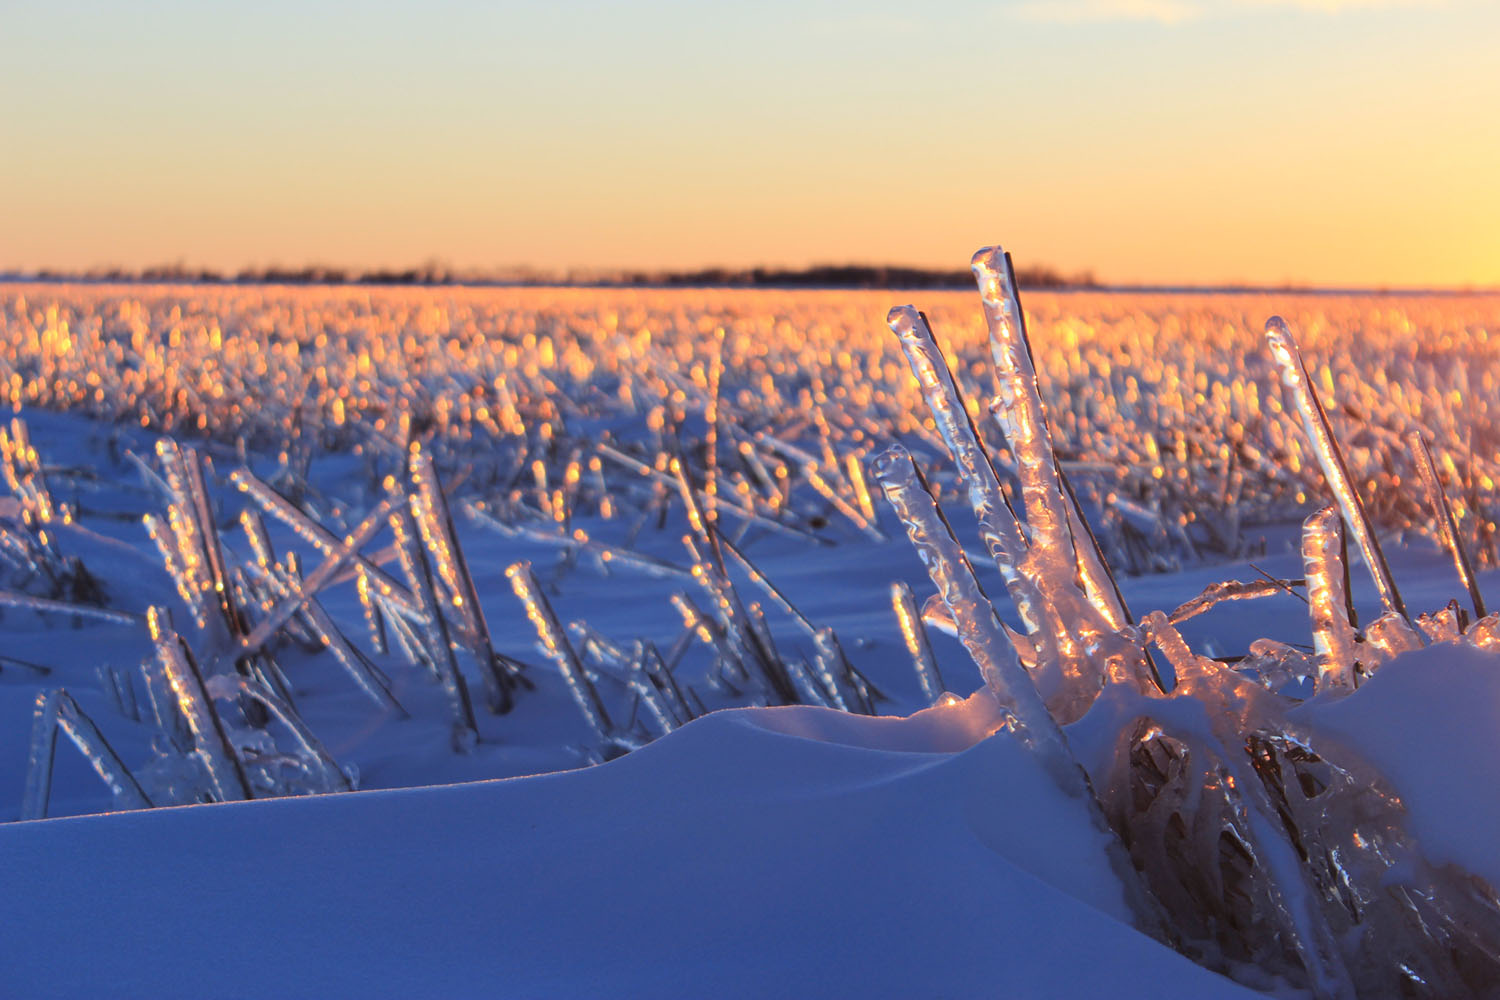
782, 852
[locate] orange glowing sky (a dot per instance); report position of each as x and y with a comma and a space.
1344, 142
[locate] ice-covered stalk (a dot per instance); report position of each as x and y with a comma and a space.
978, 627
1287, 880
101, 756
374, 617
199, 553
855, 470
330, 776
38, 788
437, 646
828, 492
1323, 566
319, 537
210, 740
430, 506
997, 523
914, 633
559, 650
1229, 590
1330, 459
1422, 455
347, 552
23, 474
359, 669
45, 605
1050, 512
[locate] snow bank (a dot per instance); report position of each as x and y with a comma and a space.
1426, 721
752, 853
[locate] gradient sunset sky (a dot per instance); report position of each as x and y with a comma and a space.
1323, 141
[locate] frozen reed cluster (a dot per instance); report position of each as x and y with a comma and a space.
1257, 851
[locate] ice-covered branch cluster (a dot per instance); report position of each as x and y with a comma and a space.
1267, 854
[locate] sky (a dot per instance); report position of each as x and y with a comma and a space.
1328, 142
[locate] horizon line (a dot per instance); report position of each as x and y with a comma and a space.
842, 276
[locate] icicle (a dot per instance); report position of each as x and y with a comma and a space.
905, 604
1323, 566
1315, 425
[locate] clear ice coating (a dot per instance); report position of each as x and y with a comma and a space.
559, 650
434, 644
1427, 471
1323, 565
997, 523
914, 634
1330, 459
978, 627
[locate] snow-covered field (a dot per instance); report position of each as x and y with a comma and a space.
679, 493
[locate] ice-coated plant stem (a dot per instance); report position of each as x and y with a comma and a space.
559, 650
347, 552
210, 740
1327, 599
997, 522
1427, 470
430, 507
978, 628
436, 645
56, 710
1330, 459
914, 634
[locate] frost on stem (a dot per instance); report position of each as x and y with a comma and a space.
1330, 459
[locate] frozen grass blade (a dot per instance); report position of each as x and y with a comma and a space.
1446, 524
210, 740
915, 635
435, 643
347, 552
559, 650
978, 628
430, 507
1334, 638
1318, 430
997, 522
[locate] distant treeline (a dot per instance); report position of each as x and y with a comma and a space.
819, 276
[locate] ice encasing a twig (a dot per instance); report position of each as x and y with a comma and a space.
1327, 598
1330, 459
